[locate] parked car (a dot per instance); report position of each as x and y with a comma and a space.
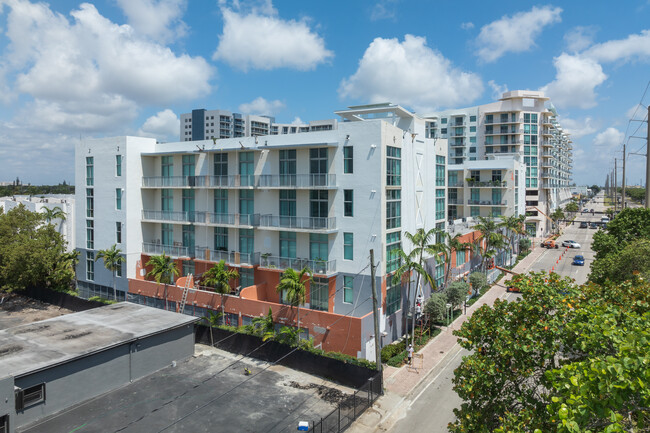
604, 220
584, 225
592, 211
593, 225
579, 260
549, 244
570, 244
585, 210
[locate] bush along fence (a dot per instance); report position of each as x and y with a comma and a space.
350, 409
60, 299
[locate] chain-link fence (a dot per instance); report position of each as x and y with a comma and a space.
351, 408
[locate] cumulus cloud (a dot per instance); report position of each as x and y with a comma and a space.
634, 46
579, 38
158, 19
409, 73
297, 121
163, 125
598, 153
262, 107
637, 112
264, 41
384, 9
610, 139
575, 81
497, 90
578, 128
515, 33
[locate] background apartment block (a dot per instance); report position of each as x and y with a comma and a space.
263, 204
203, 124
522, 125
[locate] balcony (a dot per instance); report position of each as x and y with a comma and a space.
231, 258
455, 201
456, 184
487, 203
487, 184
173, 216
307, 181
168, 181
298, 223
321, 267
157, 249
233, 219
233, 181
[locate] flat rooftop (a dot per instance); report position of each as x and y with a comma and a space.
39, 345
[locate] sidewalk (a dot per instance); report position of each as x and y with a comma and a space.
399, 383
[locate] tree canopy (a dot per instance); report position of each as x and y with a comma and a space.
562, 358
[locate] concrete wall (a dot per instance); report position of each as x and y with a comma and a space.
74, 382
7, 404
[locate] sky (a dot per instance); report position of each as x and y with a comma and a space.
71, 70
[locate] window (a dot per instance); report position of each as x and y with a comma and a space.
460, 258
167, 166
246, 277
472, 129
318, 160
348, 246
393, 244
318, 204
489, 118
474, 211
533, 118
393, 208
167, 200
118, 165
393, 166
475, 194
348, 202
440, 204
319, 294
188, 165
443, 120
246, 202
118, 198
318, 247
496, 212
118, 232
118, 270
246, 241
440, 170
348, 160
188, 204
288, 167
472, 150
188, 239
90, 171
167, 232
443, 130
348, 290
4, 423
496, 175
220, 202
90, 265
221, 165
526, 117
393, 296
188, 267
221, 239
288, 245
30, 396
287, 205
90, 202
90, 234
472, 118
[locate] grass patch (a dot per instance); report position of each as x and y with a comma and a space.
102, 300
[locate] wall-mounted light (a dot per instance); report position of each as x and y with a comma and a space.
373, 146
347, 137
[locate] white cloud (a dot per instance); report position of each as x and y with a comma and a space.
261, 41
610, 139
575, 81
158, 19
599, 153
297, 121
384, 9
638, 112
578, 128
409, 73
91, 73
163, 126
497, 90
467, 26
262, 107
579, 38
634, 46
516, 33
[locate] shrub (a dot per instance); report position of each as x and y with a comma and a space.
524, 244
391, 350
457, 292
102, 300
436, 306
478, 281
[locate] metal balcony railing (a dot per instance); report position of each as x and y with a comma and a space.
233, 219
302, 223
151, 248
234, 258
487, 203
322, 267
174, 216
297, 180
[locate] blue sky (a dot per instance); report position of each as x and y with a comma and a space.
116, 67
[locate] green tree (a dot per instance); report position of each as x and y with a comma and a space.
113, 260
560, 359
264, 326
571, 207
556, 216
457, 293
52, 214
163, 270
32, 254
490, 240
478, 280
219, 277
450, 246
435, 307
515, 228
294, 285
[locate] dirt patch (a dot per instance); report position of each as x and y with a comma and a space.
326, 393
16, 310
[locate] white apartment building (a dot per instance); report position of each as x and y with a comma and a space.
203, 124
64, 202
264, 203
522, 125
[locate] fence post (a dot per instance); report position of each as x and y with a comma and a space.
354, 406
321, 424
339, 419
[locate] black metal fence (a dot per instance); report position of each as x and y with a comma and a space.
351, 408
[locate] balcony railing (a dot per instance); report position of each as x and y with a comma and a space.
487, 203
457, 184
150, 248
230, 257
168, 181
297, 180
300, 223
174, 216
233, 219
231, 181
455, 201
487, 183
322, 267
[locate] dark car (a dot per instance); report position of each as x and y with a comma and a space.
579, 260
584, 225
593, 225
591, 210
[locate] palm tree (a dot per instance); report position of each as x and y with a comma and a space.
219, 277
557, 215
447, 248
54, 213
294, 284
163, 270
491, 238
264, 326
113, 260
514, 225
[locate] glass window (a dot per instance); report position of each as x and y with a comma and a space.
533, 118
472, 129
90, 202
288, 244
167, 232
118, 270
440, 204
460, 258
443, 130
118, 198
188, 267
348, 160
90, 234
489, 118
318, 203
393, 166
221, 164
188, 165
318, 247
221, 239
472, 118
348, 202
393, 296
90, 171
246, 169
246, 241
288, 203
90, 265
188, 239
348, 289
246, 277
246, 202
440, 170
167, 166
393, 209
526, 117
319, 294
167, 200
348, 246
221, 201
118, 232
443, 120
287, 164
318, 161
118, 165
474, 211
393, 244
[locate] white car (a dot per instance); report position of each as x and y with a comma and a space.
570, 244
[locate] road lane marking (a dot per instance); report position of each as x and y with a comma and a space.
437, 375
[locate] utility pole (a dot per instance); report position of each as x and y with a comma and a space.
615, 185
623, 182
647, 165
375, 315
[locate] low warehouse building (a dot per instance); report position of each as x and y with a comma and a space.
52, 365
